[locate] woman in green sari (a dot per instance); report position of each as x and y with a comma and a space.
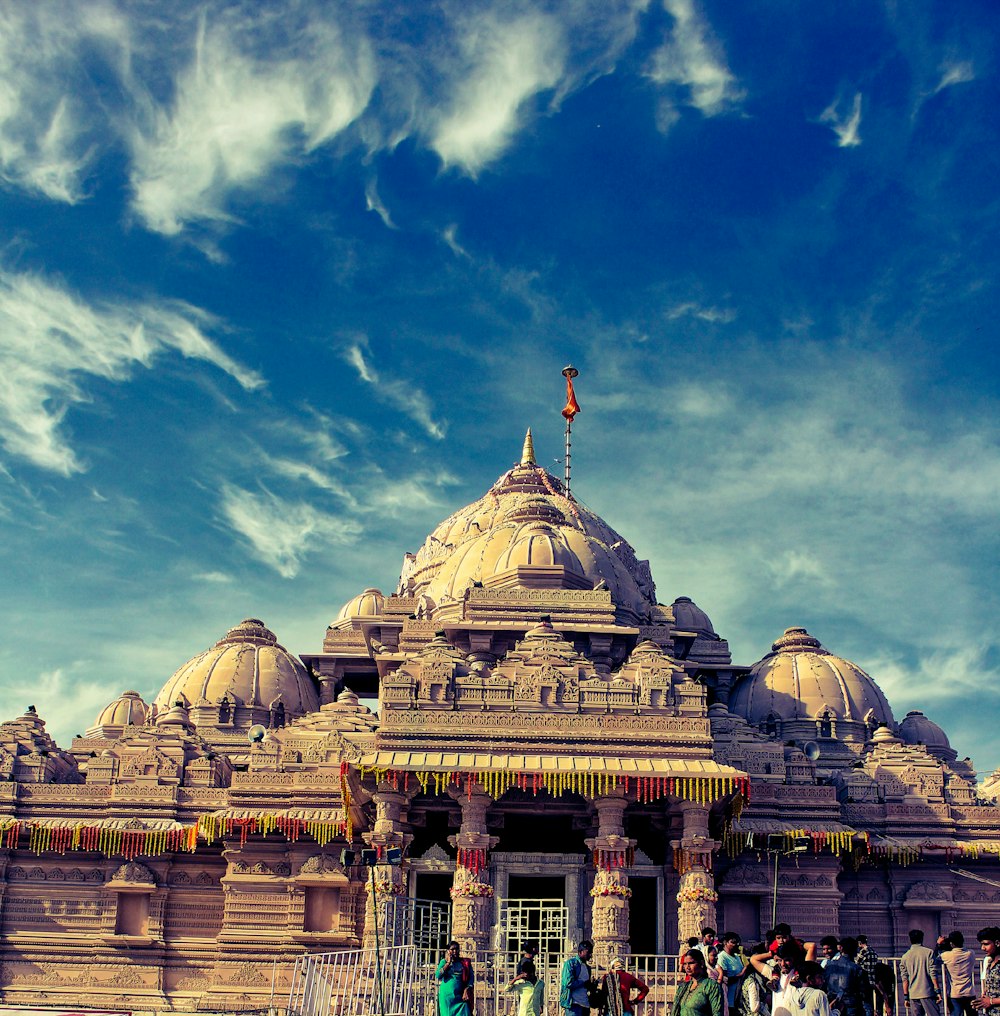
699, 995
456, 979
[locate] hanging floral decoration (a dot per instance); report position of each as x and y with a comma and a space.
214, 827
345, 796
132, 843
688, 860
697, 894
473, 860
622, 892
837, 841
384, 886
496, 782
860, 847
606, 860
471, 889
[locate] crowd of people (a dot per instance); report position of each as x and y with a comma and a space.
781, 976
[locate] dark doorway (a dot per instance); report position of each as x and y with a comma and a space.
642, 914
536, 887
742, 915
431, 886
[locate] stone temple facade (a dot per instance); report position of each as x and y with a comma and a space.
545, 730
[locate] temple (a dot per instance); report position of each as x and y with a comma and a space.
554, 751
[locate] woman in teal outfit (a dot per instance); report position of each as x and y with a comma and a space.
457, 980
699, 995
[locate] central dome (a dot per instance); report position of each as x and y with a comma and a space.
527, 520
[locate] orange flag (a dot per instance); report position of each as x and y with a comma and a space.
572, 406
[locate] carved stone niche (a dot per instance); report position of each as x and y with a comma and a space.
929, 896
133, 907
325, 903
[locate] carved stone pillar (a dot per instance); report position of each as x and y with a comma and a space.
472, 894
610, 913
696, 896
388, 831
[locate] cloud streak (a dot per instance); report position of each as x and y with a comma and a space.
279, 531
406, 396
48, 120
212, 102
845, 126
51, 341
691, 66
236, 115
508, 61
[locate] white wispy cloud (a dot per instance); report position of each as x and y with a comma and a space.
691, 62
844, 125
955, 73
714, 315
450, 236
279, 531
48, 114
66, 701
509, 61
51, 341
375, 204
405, 395
211, 102
235, 116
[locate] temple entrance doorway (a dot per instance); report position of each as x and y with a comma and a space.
643, 915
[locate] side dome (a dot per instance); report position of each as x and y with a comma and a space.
127, 710
369, 603
688, 616
918, 729
244, 678
800, 680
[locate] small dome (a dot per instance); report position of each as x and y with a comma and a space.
370, 603
246, 667
126, 710
540, 545
688, 616
799, 679
917, 729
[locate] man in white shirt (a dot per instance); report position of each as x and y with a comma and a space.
960, 964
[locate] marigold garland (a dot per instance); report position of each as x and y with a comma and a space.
132, 843
497, 782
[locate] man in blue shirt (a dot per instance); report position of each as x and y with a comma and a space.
574, 996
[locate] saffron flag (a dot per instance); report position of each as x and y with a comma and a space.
572, 406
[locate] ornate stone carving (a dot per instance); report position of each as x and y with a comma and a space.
134, 871
322, 864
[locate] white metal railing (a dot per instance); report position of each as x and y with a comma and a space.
346, 983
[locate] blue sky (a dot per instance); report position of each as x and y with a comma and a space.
282, 285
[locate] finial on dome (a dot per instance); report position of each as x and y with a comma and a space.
528, 451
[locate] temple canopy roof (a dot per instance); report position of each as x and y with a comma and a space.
526, 520
799, 679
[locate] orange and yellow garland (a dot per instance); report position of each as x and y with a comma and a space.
131, 843
496, 783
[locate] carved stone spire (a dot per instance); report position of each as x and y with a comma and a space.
528, 452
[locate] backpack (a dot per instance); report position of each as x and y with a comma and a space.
740, 1008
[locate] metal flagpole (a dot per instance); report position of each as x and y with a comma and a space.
569, 373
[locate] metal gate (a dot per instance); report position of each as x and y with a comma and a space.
423, 924
359, 982
543, 921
